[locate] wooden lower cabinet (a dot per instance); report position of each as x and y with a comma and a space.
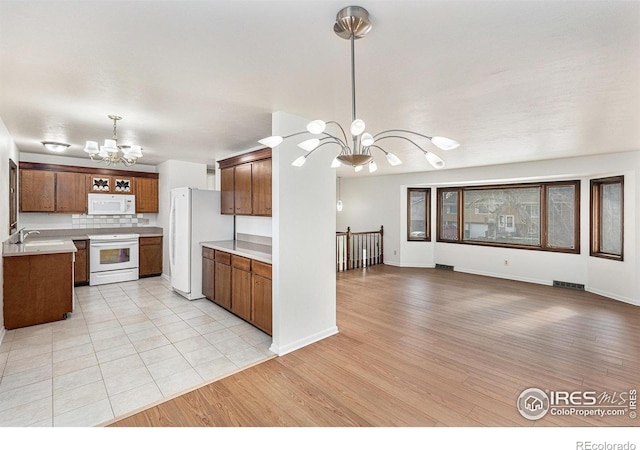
240, 285
208, 273
241, 293
222, 284
150, 256
37, 289
261, 302
81, 266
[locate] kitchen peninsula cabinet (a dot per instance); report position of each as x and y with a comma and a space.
150, 256
239, 284
245, 182
37, 289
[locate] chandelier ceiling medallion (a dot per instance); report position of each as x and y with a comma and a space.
353, 23
108, 153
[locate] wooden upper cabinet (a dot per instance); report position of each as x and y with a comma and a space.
146, 190
261, 188
245, 182
63, 189
37, 191
242, 189
227, 191
71, 192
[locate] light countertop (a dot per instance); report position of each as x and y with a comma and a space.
39, 247
259, 252
61, 241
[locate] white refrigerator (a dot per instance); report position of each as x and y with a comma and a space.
194, 217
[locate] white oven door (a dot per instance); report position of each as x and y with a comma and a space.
113, 255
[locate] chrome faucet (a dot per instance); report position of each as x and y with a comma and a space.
22, 235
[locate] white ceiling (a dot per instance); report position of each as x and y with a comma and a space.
197, 80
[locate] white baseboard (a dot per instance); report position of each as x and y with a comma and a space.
634, 302
281, 350
3, 331
419, 266
393, 263
505, 277
164, 276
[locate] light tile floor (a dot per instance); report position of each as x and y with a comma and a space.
126, 346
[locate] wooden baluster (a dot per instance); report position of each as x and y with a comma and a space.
349, 262
381, 244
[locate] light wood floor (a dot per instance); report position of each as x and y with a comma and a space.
429, 347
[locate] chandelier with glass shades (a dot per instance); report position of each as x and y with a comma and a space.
108, 153
353, 23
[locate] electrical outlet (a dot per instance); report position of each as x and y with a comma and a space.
506, 262
394, 252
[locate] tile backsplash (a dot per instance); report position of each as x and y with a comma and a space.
96, 221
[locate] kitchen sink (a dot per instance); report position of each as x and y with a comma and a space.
42, 243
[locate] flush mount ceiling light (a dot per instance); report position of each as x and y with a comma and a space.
353, 23
108, 153
57, 147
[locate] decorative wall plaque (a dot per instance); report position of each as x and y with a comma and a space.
100, 184
123, 185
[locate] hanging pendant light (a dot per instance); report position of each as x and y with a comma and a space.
353, 23
339, 204
108, 153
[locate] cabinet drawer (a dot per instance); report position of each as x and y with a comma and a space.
150, 240
240, 262
222, 257
208, 253
262, 269
80, 244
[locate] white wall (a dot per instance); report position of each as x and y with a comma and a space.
371, 201
260, 226
8, 150
304, 218
175, 174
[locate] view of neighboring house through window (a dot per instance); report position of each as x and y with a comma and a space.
541, 216
503, 215
562, 209
607, 217
418, 208
448, 215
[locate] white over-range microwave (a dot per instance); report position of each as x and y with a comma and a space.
103, 204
